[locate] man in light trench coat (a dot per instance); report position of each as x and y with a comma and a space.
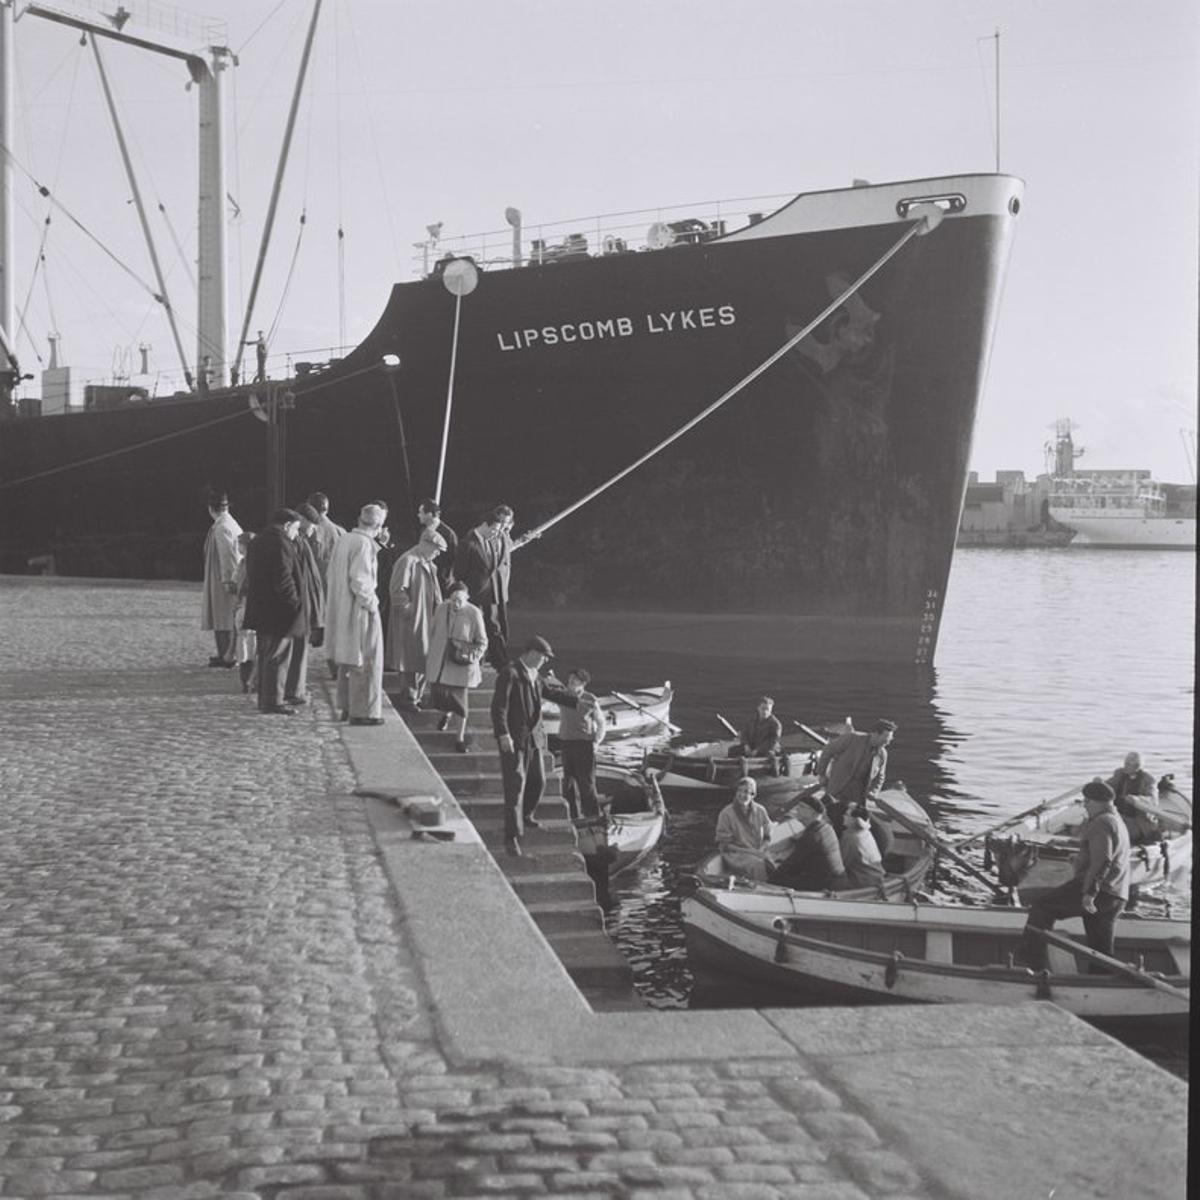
221, 557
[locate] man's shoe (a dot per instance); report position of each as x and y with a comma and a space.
280, 710
366, 720
215, 660
462, 745
533, 823
299, 701
512, 846
444, 723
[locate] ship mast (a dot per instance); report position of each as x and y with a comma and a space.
7, 379
204, 67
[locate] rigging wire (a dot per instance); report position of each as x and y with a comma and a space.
287, 283
95, 458
259, 28
337, 150
45, 191
360, 74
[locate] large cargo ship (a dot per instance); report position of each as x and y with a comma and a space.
813, 516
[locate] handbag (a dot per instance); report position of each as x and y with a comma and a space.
464, 653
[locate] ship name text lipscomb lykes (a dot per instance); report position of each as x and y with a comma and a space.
677, 321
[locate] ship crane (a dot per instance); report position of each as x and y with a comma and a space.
205, 65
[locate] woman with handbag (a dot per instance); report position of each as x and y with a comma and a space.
457, 644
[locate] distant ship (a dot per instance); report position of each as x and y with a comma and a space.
1118, 509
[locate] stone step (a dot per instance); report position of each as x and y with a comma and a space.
568, 916
551, 887
593, 962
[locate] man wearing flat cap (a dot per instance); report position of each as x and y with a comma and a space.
853, 767
517, 724
1099, 887
415, 593
276, 605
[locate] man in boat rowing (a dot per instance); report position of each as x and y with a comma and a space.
853, 768
1099, 887
1130, 780
517, 724
743, 831
760, 735
484, 564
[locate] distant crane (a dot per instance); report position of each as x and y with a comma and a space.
1062, 453
1188, 437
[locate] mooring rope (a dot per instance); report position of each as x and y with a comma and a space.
925, 222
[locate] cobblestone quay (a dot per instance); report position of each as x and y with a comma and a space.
223, 974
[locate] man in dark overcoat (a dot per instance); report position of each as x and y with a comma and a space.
276, 607
483, 564
517, 724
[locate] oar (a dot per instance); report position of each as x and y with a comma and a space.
1113, 964
1029, 812
728, 726
653, 716
812, 733
926, 836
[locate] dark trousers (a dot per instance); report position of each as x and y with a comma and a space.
495, 621
296, 684
226, 640
579, 778
274, 656
1066, 900
524, 775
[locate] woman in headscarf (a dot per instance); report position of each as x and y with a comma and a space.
457, 643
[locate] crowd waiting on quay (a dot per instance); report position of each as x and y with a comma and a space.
305, 583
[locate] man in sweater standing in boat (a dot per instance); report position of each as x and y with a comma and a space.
853, 768
1099, 887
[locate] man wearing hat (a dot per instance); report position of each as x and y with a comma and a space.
517, 724
222, 554
276, 605
415, 593
1099, 887
353, 637
853, 768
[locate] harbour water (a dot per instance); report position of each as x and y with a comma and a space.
1052, 665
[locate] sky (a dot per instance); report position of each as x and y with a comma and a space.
451, 111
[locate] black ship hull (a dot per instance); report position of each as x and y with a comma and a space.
812, 517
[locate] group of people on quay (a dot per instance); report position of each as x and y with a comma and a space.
848, 844
304, 582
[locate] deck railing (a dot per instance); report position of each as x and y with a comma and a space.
606, 233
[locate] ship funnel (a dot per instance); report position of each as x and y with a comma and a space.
513, 217
52, 338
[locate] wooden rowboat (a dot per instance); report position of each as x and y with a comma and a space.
870, 951
1034, 852
706, 771
905, 866
632, 824
645, 712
